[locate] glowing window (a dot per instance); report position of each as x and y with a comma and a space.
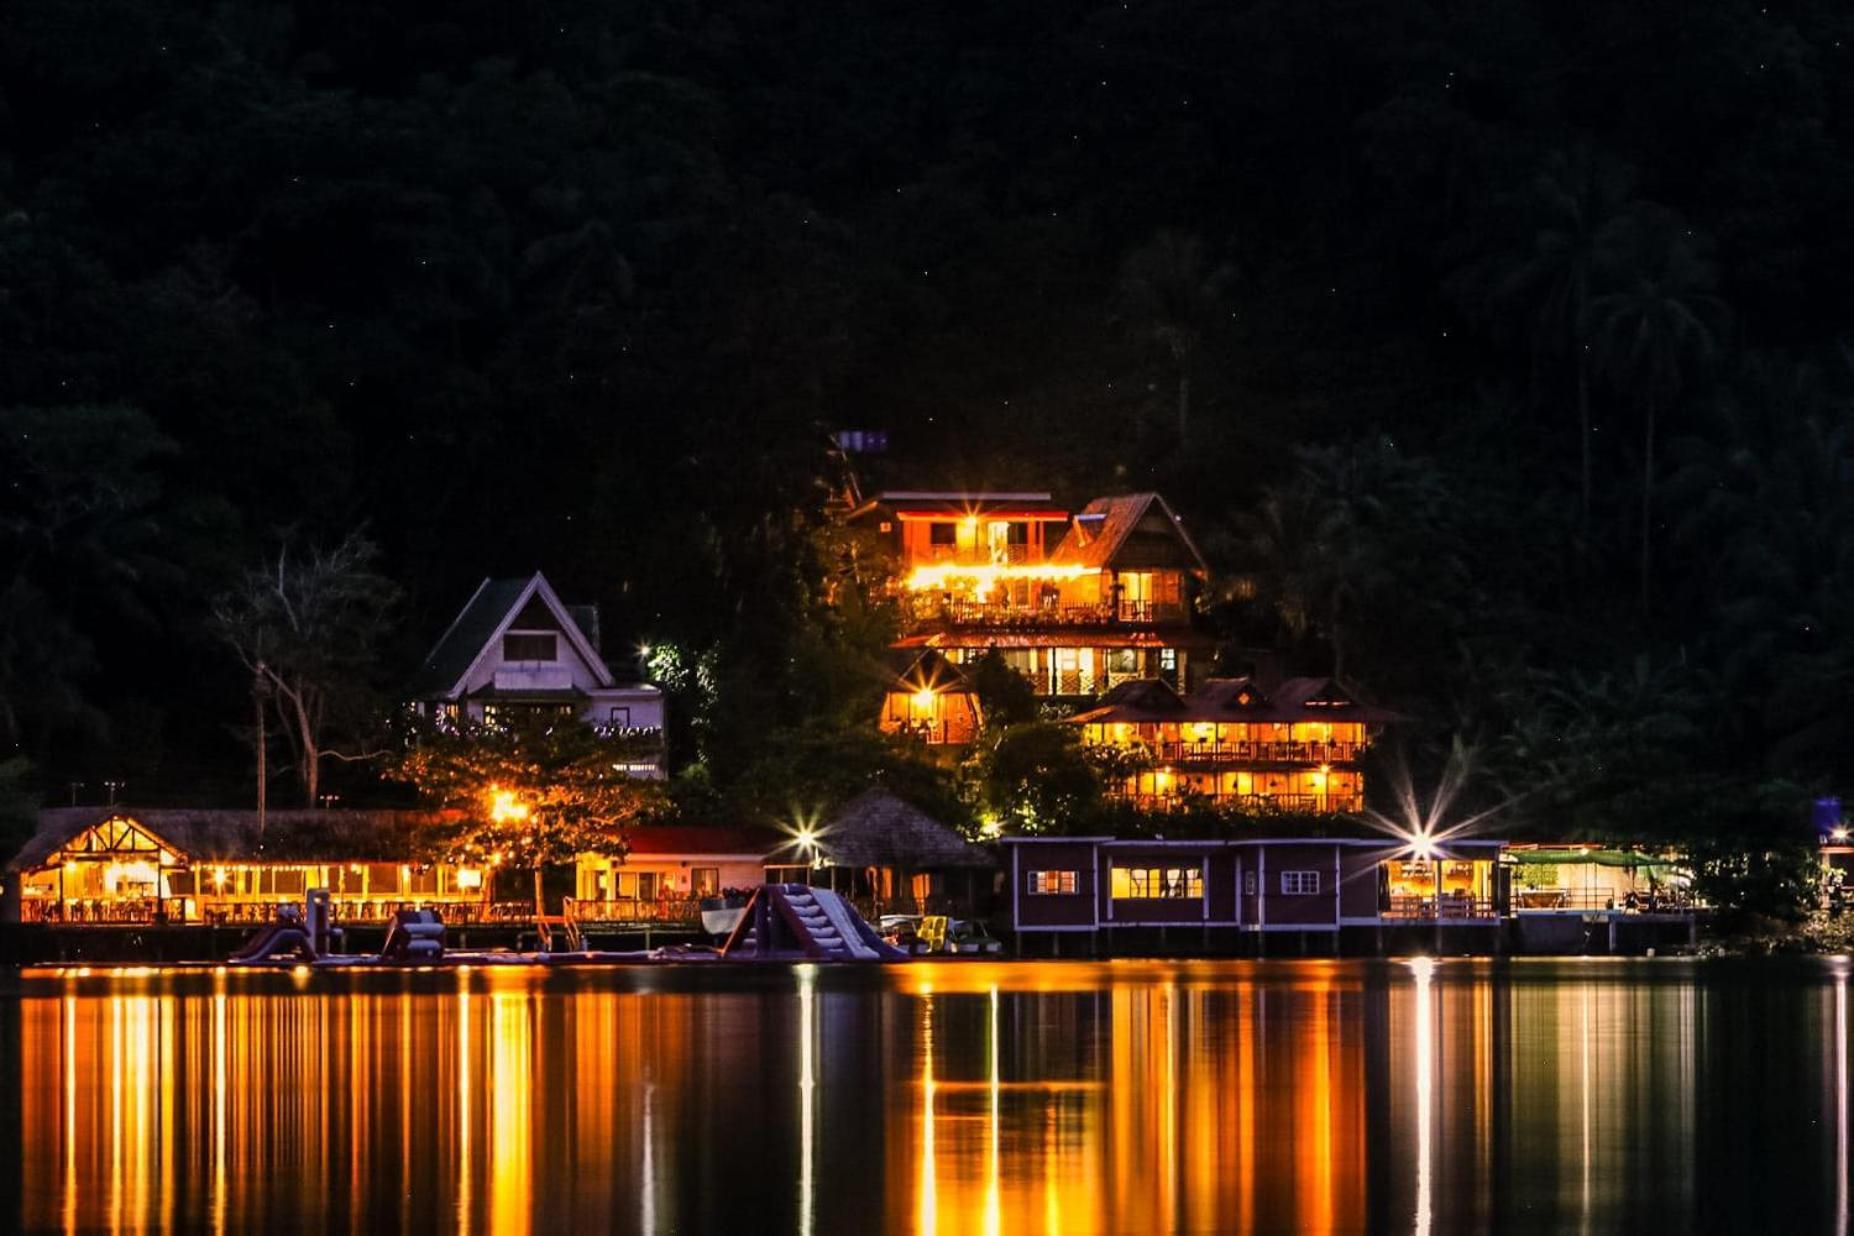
1158, 883
1054, 883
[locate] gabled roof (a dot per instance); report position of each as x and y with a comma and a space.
479, 626
1129, 532
877, 829
1144, 699
1148, 700
926, 668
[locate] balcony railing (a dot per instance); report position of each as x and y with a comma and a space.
1248, 752
1594, 900
1306, 804
938, 607
934, 733
984, 555
678, 910
146, 911
1432, 909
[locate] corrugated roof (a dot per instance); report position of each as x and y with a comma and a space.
877, 829
658, 839
456, 650
1233, 699
1128, 532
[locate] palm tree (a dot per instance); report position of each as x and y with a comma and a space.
1169, 296
1653, 335
1577, 207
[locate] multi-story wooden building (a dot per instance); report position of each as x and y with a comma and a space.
1294, 746
1077, 605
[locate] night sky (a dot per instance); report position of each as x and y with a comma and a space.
1499, 349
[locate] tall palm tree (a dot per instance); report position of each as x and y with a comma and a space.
1170, 296
1653, 335
1577, 208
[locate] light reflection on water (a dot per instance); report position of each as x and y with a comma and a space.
1011, 1097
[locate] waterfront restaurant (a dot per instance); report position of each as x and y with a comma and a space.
1253, 886
104, 865
116, 865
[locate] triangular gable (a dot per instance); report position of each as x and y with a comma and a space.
117, 836
933, 672
535, 616
539, 591
1129, 532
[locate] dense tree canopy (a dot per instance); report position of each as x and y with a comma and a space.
1496, 351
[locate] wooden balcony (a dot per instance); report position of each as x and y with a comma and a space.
1232, 754
930, 608
682, 911
1298, 804
1447, 908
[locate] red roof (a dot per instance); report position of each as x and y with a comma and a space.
662, 839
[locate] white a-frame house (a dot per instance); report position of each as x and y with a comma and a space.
515, 648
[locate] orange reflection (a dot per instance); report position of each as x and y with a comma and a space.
990, 1097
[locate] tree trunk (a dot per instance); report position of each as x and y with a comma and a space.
1583, 442
312, 754
1647, 553
540, 900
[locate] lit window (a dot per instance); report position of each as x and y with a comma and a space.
705, 881
1300, 883
1158, 883
1054, 883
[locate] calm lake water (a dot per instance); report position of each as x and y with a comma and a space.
1648, 1096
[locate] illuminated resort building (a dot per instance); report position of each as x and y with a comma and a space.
100, 866
1077, 605
1294, 746
515, 650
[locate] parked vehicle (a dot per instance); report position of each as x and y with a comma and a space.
969, 937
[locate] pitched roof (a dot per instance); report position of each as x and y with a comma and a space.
1129, 532
877, 829
487, 614
925, 668
961, 503
232, 836
1148, 699
650, 840
1233, 699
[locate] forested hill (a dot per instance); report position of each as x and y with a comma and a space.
1494, 350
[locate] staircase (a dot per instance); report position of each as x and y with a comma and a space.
791, 922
